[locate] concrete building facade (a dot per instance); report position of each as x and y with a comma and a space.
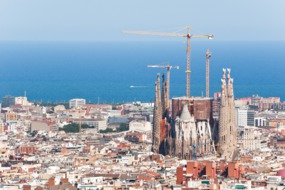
1, 127
22, 100
140, 126
42, 126
259, 121
99, 124
251, 138
77, 102
244, 116
241, 117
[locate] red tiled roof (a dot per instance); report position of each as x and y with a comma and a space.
154, 174
144, 178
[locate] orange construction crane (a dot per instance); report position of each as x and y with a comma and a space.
188, 35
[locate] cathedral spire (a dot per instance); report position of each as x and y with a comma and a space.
227, 124
157, 115
164, 97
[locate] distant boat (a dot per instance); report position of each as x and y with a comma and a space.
137, 86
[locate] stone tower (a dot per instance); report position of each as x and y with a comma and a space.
164, 96
227, 119
157, 116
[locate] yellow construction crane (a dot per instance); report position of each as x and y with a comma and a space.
168, 67
188, 35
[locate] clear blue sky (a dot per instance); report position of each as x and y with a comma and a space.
105, 19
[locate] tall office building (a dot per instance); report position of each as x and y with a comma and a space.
244, 116
250, 117
241, 116
8, 101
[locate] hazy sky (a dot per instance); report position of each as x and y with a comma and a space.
105, 19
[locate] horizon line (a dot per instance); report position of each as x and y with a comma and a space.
138, 40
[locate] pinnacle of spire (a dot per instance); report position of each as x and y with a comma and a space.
229, 73
158, 77
224, 73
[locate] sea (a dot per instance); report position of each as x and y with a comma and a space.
117, 72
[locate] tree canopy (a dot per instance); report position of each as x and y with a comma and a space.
74, 128
121, 128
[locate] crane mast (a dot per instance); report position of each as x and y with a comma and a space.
188, 71
188, 35
168, 68
208, 55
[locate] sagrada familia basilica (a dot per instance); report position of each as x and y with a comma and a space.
185, 126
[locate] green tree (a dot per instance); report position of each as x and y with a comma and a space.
108, 130
122, 127
74, 128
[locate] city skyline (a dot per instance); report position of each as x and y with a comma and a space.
110, 125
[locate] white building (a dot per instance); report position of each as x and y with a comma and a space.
245, 116
126, 159
251, 138
140, 126
1, 127
114, 113
12, 125
22, 101
53, 170
98, 124
101, 125
74, 103
59, 108
92, 180
241, 117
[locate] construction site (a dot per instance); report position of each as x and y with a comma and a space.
185, 127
